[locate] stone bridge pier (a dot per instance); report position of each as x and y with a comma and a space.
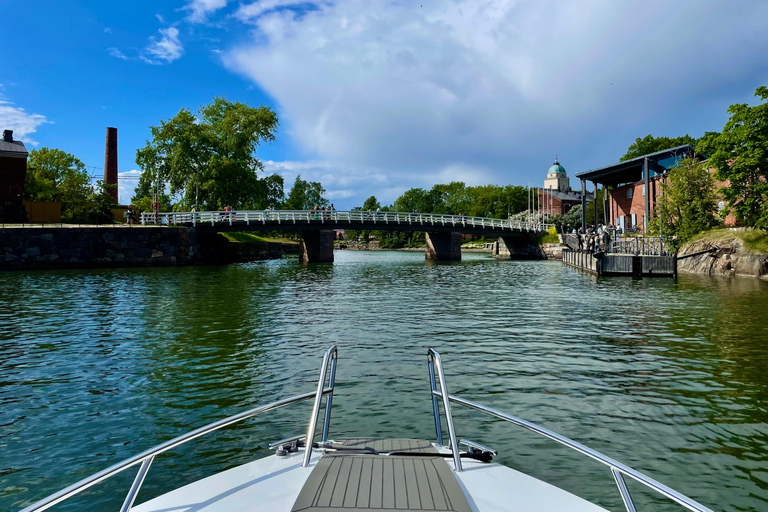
317, 246
517, 248
443, 246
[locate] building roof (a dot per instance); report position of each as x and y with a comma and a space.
631, 171
556, 168
568, 195
14, 149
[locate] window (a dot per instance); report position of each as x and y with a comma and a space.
630, 193
643, 189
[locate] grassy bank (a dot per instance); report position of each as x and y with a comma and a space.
755, 240
248, 237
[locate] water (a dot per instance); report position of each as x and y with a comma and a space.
667, 377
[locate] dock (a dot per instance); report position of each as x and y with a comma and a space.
638, 257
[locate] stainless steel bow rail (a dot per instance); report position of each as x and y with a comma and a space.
618, 469
145, 458
290, 217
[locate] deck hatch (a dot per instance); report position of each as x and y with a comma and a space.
348, 481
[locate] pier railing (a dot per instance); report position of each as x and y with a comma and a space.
293, 217
641, 246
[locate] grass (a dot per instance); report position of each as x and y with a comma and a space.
242, 236
754, 240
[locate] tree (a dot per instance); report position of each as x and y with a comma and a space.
305, 195
651, 144
100, 204
573, 217
600, 203
371, 204
688, 202
740, 155
55, 175
209, 158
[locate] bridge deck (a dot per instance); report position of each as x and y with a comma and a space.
270, 220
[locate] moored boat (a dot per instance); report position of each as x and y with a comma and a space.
364, 473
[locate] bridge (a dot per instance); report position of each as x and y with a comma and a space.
443, 232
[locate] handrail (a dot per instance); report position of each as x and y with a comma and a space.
145, 458
331, 356
618, 469
245, 217
436, 363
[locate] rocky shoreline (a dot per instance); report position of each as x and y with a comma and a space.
727, 257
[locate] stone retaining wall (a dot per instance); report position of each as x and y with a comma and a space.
138, 246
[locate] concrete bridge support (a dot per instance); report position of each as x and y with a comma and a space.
443, 246
518, 248
317, 246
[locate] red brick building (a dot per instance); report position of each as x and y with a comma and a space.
557, 197
636, 186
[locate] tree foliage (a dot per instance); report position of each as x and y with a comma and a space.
740, 155
305, 195
371, 204
209, 156
688, 202
650, 144
101, 203
55, 175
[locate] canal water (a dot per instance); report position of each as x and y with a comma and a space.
668, 377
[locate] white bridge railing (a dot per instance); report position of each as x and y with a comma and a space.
277, 218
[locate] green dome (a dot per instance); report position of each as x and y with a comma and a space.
556, 168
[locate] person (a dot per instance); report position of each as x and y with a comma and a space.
129, 214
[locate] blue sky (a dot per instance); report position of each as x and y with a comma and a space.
377, 96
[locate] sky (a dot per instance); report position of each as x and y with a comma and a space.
378, 96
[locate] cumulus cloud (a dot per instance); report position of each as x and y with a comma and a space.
200, 9
496, 87
165, 50
20, 121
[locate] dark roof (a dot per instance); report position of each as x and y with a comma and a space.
569, 195
630, 171
15, 149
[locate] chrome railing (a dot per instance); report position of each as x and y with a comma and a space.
618, 470
146, 457
290, 217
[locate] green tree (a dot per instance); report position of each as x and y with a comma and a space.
573, 217
688, 202
371, 204
100, 204
651, 144
209, 157
740, 155
55, 175
600, 203
305, 195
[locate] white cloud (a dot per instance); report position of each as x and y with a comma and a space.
166, 50
115, 52
107, 30
200, 9
249, 12
126, 183
20, 121
491, 89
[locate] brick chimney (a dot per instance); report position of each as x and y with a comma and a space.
110, 161
8, 135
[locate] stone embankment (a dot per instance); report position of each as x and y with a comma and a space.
138, 246
553, 251
726, 257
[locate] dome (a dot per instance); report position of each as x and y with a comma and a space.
556, 168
